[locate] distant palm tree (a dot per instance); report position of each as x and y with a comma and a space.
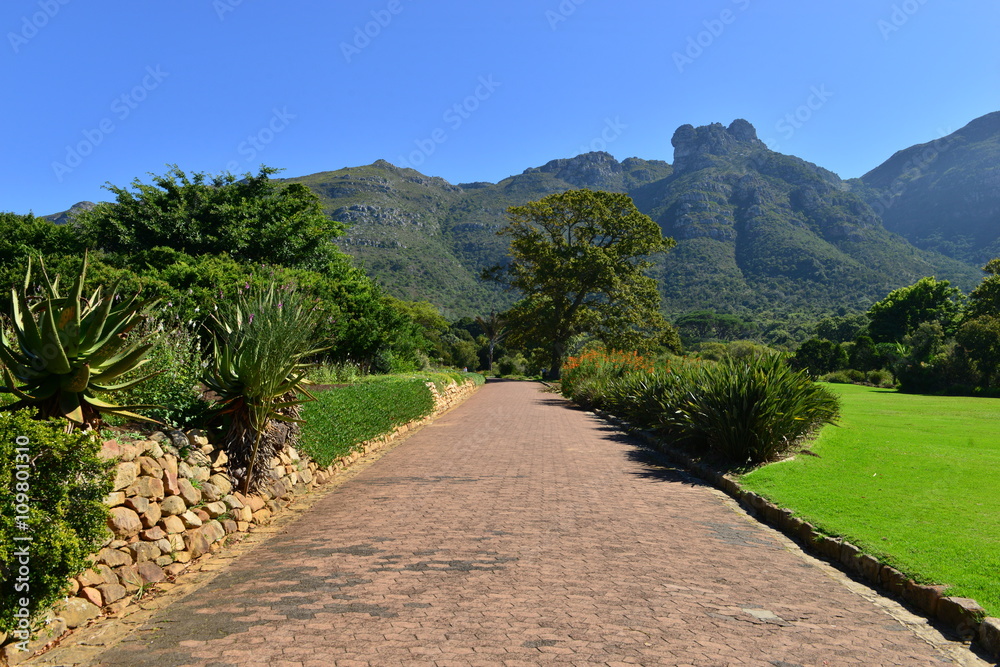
495, 329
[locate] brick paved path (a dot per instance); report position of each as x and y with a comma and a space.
518, 531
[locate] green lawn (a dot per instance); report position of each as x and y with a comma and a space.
912, 479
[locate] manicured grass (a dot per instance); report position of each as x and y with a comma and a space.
914, 480
344, 417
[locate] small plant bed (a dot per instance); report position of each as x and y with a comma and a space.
342, 417
910, 479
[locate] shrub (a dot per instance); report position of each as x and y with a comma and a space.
338, 372
642, 398
512, 365
749, 411
837, 377
66, 516
585, 378
880, 378
175, 391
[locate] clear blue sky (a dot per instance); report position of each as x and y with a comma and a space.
99, 91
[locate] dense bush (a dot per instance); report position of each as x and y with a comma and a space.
749, 411
512, 364
587, 376
744, 411
880, 378
65, 486
177, 360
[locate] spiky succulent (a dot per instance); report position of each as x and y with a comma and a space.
257, 373
67, 350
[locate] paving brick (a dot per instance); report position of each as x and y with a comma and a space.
519, 530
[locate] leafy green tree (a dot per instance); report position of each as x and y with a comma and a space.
253, 219
24, 236
903, 310
579, 258
702, 324
842, 328
864, 355
495, 330
984, 301
819, 356
980, 338
698, 324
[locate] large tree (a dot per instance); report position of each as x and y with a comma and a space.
903, 310
579, 258
253, 219
984, 301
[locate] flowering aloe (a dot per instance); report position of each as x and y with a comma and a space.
66, 350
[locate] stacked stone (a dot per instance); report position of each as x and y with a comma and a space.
453, 394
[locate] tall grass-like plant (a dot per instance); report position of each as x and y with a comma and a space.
750, 410
259, 342
586, 378
643, 398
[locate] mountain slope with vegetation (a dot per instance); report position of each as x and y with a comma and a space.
760, 235
944, 195
758, 231
761, 231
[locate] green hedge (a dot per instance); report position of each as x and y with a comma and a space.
52, 489
343, 417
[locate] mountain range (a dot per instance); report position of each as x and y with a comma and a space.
758, 232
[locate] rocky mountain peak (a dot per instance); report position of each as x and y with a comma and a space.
692, 145
70, 214
593, 170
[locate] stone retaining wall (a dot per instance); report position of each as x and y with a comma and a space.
174, 502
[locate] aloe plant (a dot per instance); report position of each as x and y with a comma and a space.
65, 351
257, 348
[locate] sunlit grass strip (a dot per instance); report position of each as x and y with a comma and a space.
343, 417
911, 479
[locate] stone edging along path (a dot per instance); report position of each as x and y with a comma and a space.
964, 616
172, 509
